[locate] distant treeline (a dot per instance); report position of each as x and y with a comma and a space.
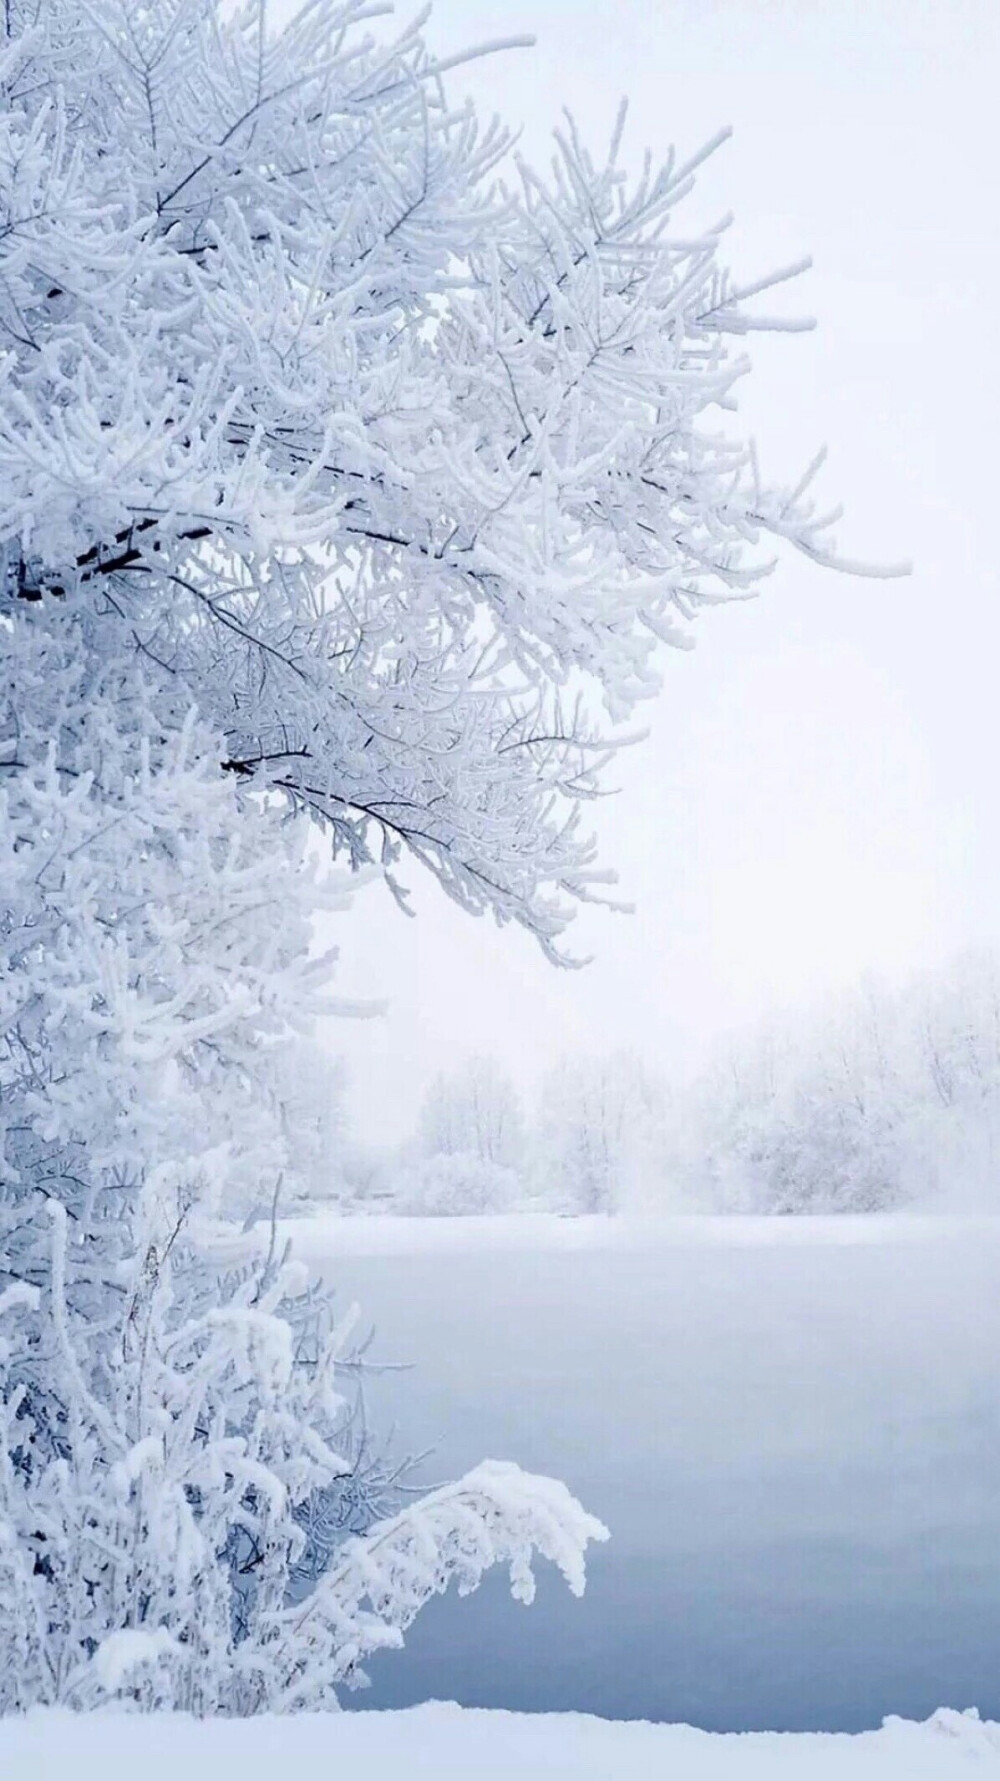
886, 1097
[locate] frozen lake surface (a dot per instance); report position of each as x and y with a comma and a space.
791, 1426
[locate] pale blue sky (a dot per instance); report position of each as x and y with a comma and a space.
819, 793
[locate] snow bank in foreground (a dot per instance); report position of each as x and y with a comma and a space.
448, 1743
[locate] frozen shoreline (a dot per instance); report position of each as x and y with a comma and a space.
327, 1232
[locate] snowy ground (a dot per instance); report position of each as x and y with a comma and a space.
445, 1743
791, 1426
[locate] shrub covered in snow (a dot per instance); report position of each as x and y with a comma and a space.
438, 1186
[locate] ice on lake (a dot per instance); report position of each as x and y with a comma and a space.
791, 1426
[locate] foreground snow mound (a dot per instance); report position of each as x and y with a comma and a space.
451, 1743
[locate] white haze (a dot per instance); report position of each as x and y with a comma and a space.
817, 796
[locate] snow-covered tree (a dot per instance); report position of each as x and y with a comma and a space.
802, 1114
172, 1431
952, 1019
399, 459
345, 473
473, 1112
311, 1089
599, 1143
469, 1151
886, 1096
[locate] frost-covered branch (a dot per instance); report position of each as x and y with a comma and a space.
370, 437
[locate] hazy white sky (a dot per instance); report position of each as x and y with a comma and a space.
817, 796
